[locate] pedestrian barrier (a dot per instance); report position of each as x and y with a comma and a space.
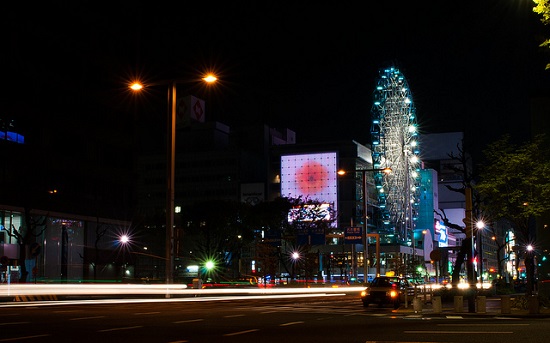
417, 305
436, 304
481, 304
533, 302
505, 305
35, 297
459, 303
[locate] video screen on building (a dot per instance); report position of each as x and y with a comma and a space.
311, 176
308, 213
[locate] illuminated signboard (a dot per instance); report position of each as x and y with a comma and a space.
310, 176
442, 231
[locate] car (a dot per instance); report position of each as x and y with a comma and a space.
385, 290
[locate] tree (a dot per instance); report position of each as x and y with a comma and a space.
515, 186
215, 231
543, 8
461, 166
26, 235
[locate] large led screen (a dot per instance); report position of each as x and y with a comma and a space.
311, 176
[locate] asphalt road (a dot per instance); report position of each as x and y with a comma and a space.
269, 319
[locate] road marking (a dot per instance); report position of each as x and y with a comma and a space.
145, 313
188, 321
123, 328
268, 312
234, 316
291, 323
84, 318
472, 324
14, 323
462, 332
66, 311
24, 337
241, 332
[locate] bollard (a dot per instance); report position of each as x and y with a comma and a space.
436, 303
417, 305
505, 304
533, 304
459, 303
481, 304
425, 295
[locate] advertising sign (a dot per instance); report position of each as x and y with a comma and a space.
353, 235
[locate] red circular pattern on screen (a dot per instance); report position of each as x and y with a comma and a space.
312, 177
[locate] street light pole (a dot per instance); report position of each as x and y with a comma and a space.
170, 183
480, 226
170, 170
364, 236
365, 233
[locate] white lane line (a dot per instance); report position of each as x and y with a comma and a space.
463, 332
17, 339
292, 323
492, 325
84, 318
66, 311
234, 316
122, 328
188, 321
240, 332
145, 313
14, 323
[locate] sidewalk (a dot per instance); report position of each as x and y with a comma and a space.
493, 308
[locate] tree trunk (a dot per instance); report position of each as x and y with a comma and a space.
530, 273
22, 265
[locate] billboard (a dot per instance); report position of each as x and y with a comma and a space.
311, 176
189, 108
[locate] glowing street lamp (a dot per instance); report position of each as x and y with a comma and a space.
170, 170
124, 239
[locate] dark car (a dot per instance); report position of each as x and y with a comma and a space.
384, 290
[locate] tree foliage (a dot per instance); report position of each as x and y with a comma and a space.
543, 8
515, 186
515, 181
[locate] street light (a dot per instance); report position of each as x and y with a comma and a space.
365, 191
124, 240
295, 256
480, 226
170, 169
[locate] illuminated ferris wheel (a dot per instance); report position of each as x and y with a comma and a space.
394, 145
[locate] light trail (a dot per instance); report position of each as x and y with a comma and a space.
158, 300
160, 289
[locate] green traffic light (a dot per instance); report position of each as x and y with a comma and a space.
209, 265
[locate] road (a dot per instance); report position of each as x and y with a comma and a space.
333, 318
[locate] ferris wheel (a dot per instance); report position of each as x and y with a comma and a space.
394, 145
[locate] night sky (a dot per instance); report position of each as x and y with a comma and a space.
310, 66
